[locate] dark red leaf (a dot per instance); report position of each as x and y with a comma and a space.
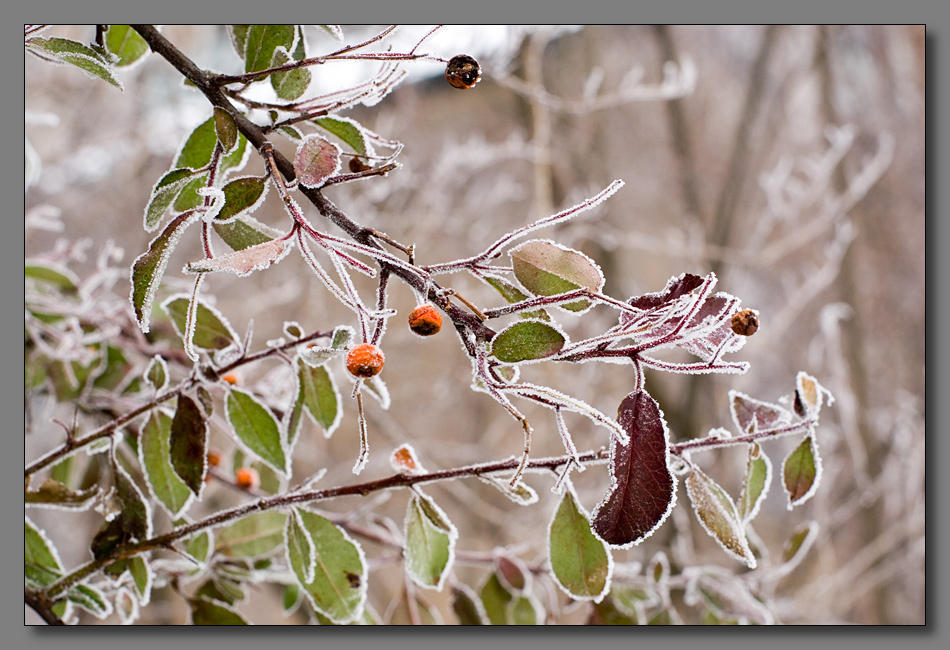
642, 489
188, 441
675, 288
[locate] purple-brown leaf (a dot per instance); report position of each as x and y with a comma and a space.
675, 288
642, 491
316, 160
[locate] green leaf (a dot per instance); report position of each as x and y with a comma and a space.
142, 578
156, 373
242, 196
132, 521
238, 36
320, 396
41, 563
338, 588
257, 428
199, 546
224, 589
548, 269
90, 599
155, 456
291, 84
718, 516
430, 542
526, 341
212, 331
467, 606
495, 598
196, 154
513, 294
82, 56
50, 273
252, 536
205, 612
801, 472
260, 43
149, 267
755, 486
53, 493
349, 131
798, 544
163, 194
225, 129
188, 444
524, 610
580, 561
244, 232
125, 43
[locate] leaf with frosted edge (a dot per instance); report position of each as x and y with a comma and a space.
133, 520
333, 30
513, 294
580, 562
256, 428
206, 612
155, 455
142, 578
320, 397
244, 231
405, 460
242, 196
798, 545
90, 61
755, 485
495, 598
291, 84
522, 493
163, 195
751, 415
54, 494
675, 288
801, 472
225, 129
149, 267
348, 130
809, 395
252, 536
316, 160
718, 515
212, 330
525, 610
188, 444
342, 335
467, 605
642, 489
261, 41
126, 44
300, 548
339, 585
430, 542
244, 262
527, 340
90, 599
380, 392
42, 565
237, 34
156, 373
548, 269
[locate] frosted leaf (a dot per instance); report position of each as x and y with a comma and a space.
430, 542
727, 597
752, 415
642, 489
149, 268
156, 373
755, 485
316, 160
546, 268
801, 472
718, 515
244, 262
527, 340
809, 395
521, 493
405, 460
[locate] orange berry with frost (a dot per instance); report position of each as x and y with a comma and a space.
365, 360
425, 320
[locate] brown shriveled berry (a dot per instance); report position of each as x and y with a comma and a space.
247, 478
365, 360
745, 322
463, 71
425, 320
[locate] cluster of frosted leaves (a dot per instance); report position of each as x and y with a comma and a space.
122, 47
686, 314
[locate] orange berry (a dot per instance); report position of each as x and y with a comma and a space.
214, 459
365, 360
425, 320
463, 72
745, 322
247, 477
231, 378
